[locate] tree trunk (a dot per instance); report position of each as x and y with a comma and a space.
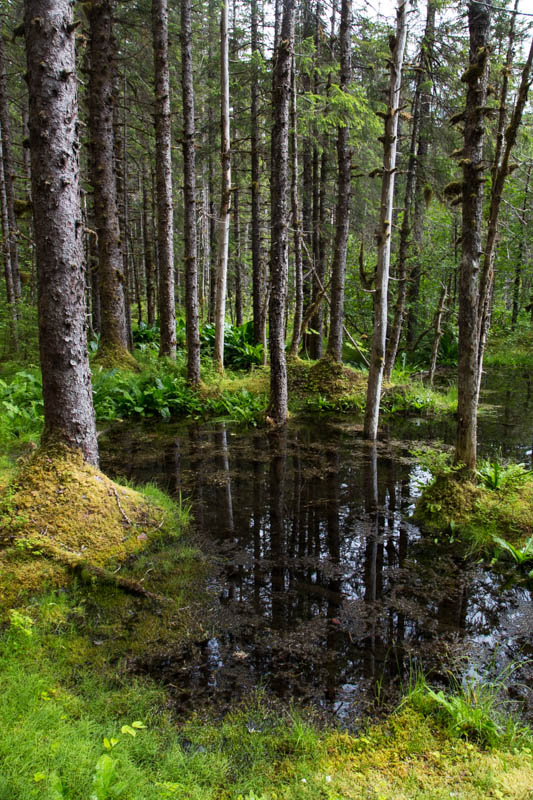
8, 274
281, 91
163, 165
225, 200
114, 334
476, 78
67, 391
257, 266
8, 174
189, 199
149, 267
521, 254
238, 256
344, 159
414, 187
319, 274
295, 210
377, 356
438, 335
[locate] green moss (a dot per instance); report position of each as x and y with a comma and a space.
58, 511
116, 358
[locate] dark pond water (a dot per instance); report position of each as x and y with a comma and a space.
322, 590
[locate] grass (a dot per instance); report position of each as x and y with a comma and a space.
72, 731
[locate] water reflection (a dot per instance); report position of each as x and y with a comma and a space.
324, 590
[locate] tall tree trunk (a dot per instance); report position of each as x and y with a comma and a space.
414, 187
225, 200
476, 78
521, 254
149, 267
377, 356
163, 165
238, 256
281, 91
189, 198
425, 65
296, 224
8, 274
500, 171
8, 173
67, 391
257, 266
438, 334
120, 140
319, 273
114, 334
342, 222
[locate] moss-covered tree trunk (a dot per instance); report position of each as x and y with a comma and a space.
163, 166
279, 255
67, 392
114, 333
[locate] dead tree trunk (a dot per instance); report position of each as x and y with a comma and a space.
377, 356
67, 391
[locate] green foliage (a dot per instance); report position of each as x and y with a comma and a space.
495, 475
239, 349
520, 555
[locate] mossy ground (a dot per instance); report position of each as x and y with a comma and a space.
57, 712
57, 511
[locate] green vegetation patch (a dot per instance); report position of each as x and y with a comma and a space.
58, 513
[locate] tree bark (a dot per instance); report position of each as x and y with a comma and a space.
67, 391
114, 334
8, 174
257, 265
438, 335
476, 78
189, 198
377, 356
238, 256
281, 91
8, 274
225, 200
296, 224
344, 159
163, 166
149, 267
521, 255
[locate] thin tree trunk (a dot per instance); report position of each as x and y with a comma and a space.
476, 78
8, 173
67, 391
377, 356
257, 266
114, 334
296, 225
413, 188
281, 91
149, 268
6, 252
521, 254
500, 172
344, 159
189, 198
238, 256
316, 322
119, 145
163, 165
438, 334
225, 200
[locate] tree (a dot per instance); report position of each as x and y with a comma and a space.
67, 393
189, 196
476, 78
344, 158
114, 333
163, 167
281, 91
225, 199
377, 357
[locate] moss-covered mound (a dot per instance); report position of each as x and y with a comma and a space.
58, 513
447, 501
326, 377
116, 358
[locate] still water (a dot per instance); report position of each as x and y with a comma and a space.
322, 590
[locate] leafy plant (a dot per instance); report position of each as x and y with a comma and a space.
105, 780
495, 475
520, 556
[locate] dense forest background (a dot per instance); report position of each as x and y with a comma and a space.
179, 172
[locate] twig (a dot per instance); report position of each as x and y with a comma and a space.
119, 504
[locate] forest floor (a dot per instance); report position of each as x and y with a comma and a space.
78, 723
